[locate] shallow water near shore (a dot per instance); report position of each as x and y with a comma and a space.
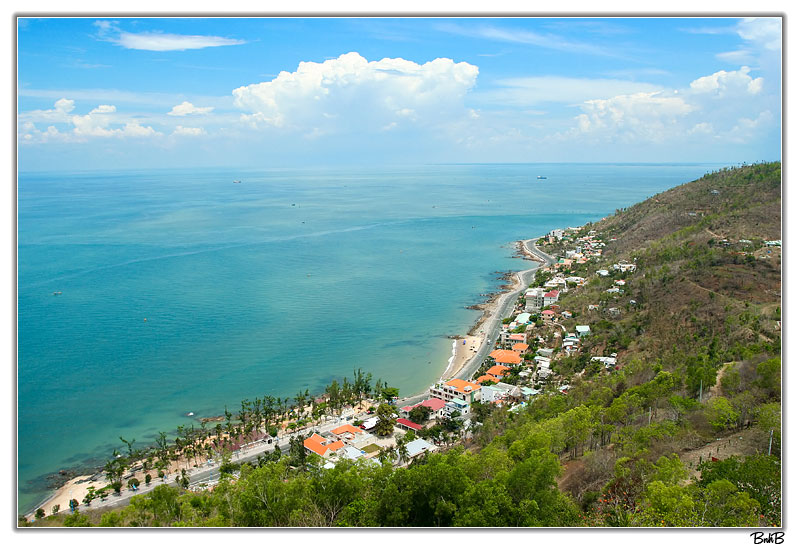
278, 284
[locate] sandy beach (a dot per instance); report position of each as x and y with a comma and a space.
467, 351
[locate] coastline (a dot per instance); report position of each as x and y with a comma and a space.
468, 351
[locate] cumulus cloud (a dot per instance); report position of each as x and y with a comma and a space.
100, 122
351, 93
186, 108
765, 32
158, 41
727, 83
727, 104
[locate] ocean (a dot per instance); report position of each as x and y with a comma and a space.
146, 295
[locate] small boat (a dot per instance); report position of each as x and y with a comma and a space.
540, 177
237, 181
57, 293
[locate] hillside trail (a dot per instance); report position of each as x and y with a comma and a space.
735, 443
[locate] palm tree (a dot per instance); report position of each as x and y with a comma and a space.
401, 450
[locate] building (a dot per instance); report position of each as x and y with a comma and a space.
406, 424
347, 432
492, 394
458, 406
520, 348
497, 371
417, 447
456, 388
549, 298
322, 446
548, 315
484, 378
505, 356
436, 405
534, 299
582, 330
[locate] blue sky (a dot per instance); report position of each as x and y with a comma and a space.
255, 93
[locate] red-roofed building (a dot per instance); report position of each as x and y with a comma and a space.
550, 298
436, 405
548, 315
408, 425
456, 388
497, 371
322, 446
347, 432
485, 377
505, 356
520, 348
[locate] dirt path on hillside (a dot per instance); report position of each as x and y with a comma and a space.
736, 443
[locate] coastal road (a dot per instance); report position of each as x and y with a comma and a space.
491, 327
210, 474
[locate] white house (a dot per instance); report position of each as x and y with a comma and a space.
582, 330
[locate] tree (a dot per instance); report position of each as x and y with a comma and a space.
769, 376
721, 413
55, 509
386, 420
420, 414
40, 513
147, 479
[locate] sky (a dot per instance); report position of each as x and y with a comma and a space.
138, 92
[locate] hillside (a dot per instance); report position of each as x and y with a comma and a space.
683, 430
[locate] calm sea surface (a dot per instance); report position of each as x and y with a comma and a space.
281, 283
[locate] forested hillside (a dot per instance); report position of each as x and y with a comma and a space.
684, 431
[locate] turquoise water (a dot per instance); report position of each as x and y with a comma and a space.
278, 284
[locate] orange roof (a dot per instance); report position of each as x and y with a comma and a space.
520, 347
318, 445
459, 384
483, 378
346, 428
497, 370
504, 356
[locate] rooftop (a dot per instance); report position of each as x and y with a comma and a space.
505, 356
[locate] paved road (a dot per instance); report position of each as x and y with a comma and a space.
492, 325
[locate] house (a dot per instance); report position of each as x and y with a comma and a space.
582, 330
557, 282
619, 282
407, 424
349, 452
520, 348
542, 361
497, 371
556, 234
550, 298
456, 388
492, 394
544, 351
566, 314
534, 299
602, 272
607, 361
347, 432
505, 356
484, 378
548, 315
457, 405
614, 290
577, 280
322, 446
417, 447
436, 405
593, 307
507, 338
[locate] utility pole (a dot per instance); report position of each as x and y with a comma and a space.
769, 450
700, 397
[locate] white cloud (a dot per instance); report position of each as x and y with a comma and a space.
725, 83
188, 131
352, 94
187, 108
738, 57
763, 31
59, 112
543, 89
158, 41
726, 105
